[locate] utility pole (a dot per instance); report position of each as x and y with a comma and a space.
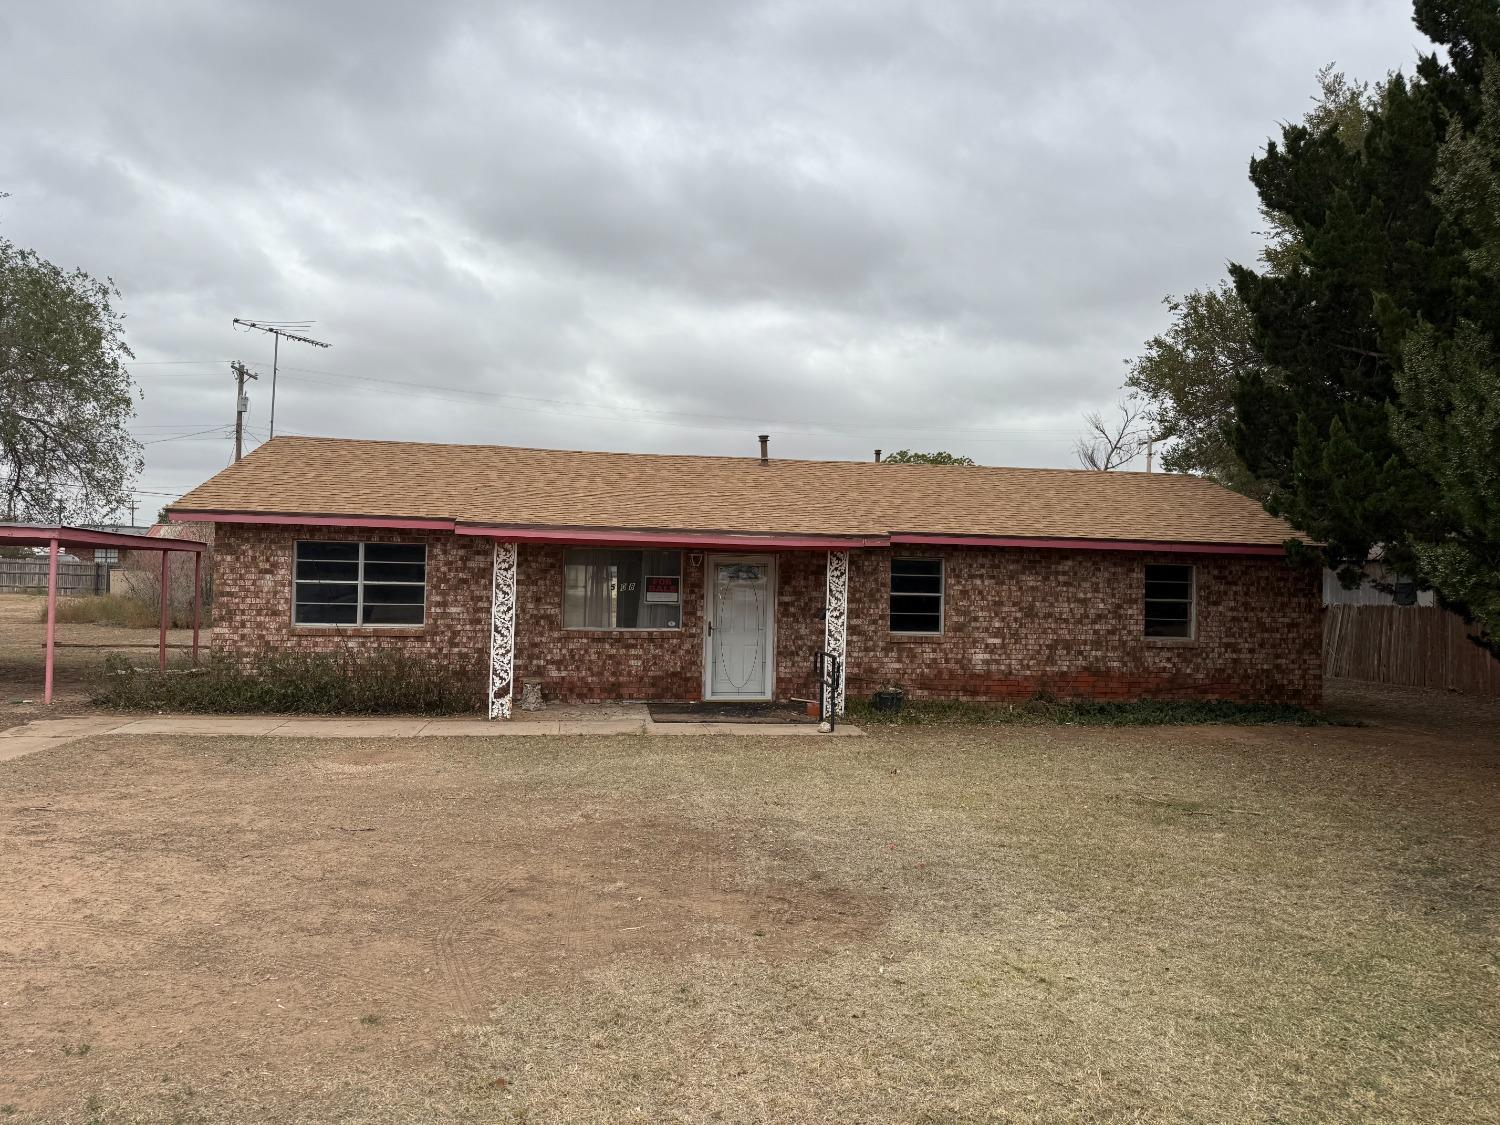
241, 404
278, 329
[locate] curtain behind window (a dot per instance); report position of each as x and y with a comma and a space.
605, 589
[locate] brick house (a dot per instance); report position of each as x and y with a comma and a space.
606, 576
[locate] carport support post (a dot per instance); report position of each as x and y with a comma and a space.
197, 595
166, 608
51, 616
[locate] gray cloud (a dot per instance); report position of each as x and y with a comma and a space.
654, 224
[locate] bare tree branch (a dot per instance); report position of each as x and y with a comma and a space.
1109, 443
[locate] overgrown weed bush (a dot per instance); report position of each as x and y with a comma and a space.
121, 611
292, 683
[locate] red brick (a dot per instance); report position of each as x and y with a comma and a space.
1016, 622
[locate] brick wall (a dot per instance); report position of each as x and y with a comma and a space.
253, 599
594, 665
1016, 622
1071, 623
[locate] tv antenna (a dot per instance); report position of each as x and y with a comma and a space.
292, 330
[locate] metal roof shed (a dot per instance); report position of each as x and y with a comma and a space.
56, 536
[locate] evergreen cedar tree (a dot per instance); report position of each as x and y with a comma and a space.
1393, 263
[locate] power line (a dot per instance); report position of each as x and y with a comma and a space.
218, 431
173, 425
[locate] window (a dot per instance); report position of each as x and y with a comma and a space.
1169, 601
605, 589
916, 595
360, 584
110, 556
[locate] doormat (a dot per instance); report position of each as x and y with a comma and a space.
727, 713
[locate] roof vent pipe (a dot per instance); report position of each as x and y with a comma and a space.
765, 449
877, 457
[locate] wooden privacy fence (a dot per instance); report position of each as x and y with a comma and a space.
30, 576
1417, 646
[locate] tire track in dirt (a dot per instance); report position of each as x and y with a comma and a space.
456, 965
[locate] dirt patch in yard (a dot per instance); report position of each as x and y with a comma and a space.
973, 924
296, 905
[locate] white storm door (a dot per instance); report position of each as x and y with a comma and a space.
740, 661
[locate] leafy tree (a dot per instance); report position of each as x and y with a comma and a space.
1187, 375
65, 395
908, 457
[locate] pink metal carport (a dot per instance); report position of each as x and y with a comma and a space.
56, 536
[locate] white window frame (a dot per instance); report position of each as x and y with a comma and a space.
1191, 599
359, 588
941, 595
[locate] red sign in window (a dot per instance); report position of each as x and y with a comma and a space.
663, 588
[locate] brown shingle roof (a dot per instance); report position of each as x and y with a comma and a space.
486, 484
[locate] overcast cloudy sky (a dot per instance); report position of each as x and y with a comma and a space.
666, 226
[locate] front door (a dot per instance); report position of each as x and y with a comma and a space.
741, 662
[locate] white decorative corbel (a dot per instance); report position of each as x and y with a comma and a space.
503, 632
836, 619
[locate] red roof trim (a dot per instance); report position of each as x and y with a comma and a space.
33, 535
584, 536
281, 518
917, 540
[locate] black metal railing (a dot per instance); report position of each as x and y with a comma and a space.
826, 665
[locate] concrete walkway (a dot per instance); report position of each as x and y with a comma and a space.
45, 734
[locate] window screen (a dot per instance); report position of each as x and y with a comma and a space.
916, 595
1169, 601
360, 584
605, 589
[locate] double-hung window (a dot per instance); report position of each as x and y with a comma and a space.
360, 583
605, 589
1169, 600
916, 595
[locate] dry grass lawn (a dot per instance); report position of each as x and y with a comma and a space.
1012, 925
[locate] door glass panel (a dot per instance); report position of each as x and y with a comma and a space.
740, 649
